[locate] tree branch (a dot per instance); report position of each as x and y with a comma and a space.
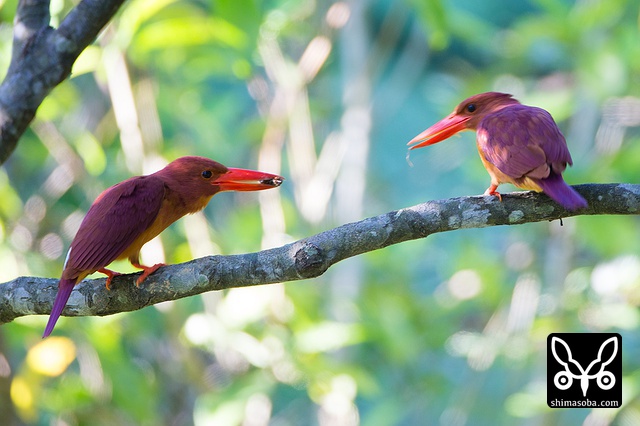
42, 58
309, 257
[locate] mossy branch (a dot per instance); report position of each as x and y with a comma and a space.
309, 257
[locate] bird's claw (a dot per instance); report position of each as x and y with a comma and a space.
146, 271
492, 191
110, 274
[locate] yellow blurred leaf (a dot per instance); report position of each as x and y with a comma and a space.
52, 356
189, 32
11, 205
21, 394
87, 61
22, 397
95, 160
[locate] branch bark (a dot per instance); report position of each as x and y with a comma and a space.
309, 257
42, 58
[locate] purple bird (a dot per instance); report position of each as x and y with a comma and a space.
518, 144
128, 215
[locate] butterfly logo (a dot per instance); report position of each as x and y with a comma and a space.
595, 370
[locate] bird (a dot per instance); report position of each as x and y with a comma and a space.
518, 144
129, 214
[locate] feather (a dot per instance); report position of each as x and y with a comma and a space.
64, 291
115, 220
556, 188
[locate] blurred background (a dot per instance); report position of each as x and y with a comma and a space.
447, 330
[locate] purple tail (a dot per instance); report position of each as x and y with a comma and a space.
64, 291
556, 188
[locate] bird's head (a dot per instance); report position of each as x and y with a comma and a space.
465, 116
203, 177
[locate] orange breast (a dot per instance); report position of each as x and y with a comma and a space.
170, 211
497, 177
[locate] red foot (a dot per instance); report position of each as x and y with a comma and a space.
147, 270
492, 191
110, 274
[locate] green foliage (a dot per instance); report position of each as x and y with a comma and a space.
451, 329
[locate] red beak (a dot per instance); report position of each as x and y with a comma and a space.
247, 180
440, 131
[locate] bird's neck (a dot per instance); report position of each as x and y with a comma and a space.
183, 201
197, 204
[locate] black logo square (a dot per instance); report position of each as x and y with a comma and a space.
584, 370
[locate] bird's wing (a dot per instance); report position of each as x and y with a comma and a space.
117, 217
523, 141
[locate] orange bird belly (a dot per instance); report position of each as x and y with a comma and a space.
170, 211
498, 177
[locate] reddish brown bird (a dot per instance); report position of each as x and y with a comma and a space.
128, 215
518, 144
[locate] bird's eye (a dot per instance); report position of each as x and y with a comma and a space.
207, 174
471, 108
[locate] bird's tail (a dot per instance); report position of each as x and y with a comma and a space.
556, 188
64, 291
